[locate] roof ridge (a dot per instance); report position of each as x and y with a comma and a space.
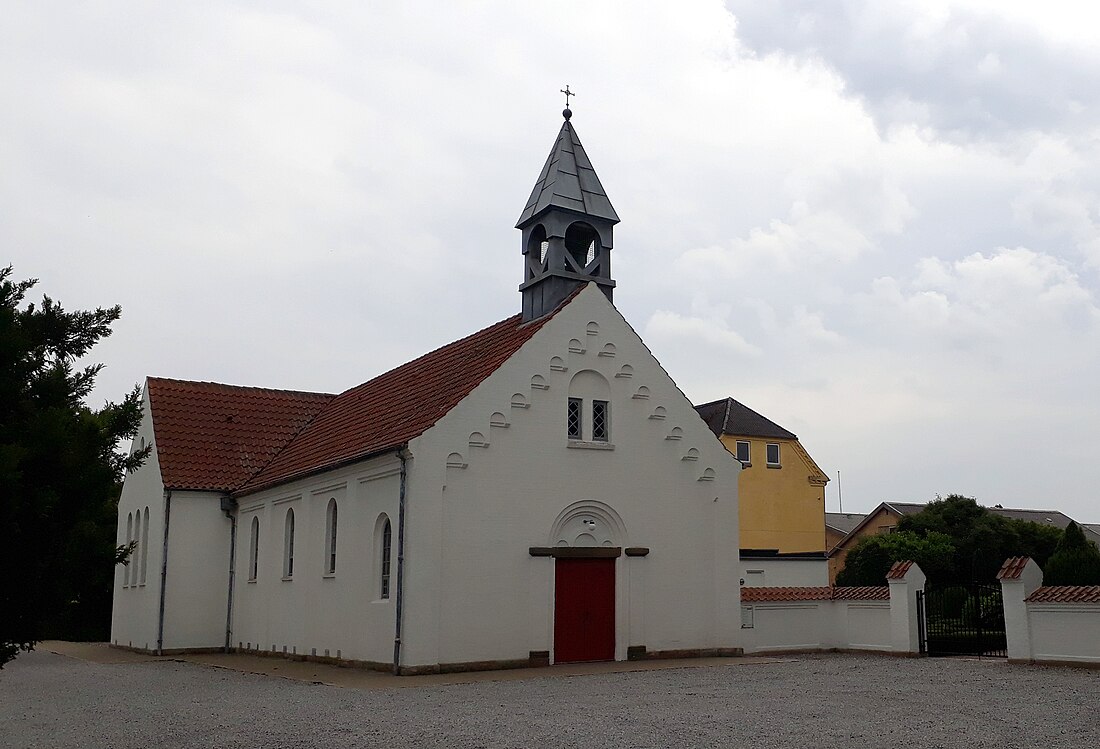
361, 392
240, 387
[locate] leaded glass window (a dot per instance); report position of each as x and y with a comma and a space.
601, 421
573, 419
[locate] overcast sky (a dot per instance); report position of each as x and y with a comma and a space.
876, 223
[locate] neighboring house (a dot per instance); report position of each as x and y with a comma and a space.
782, 498
885, 517
540, 491
838, 525
782, 489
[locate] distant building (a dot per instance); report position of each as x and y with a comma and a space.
838, 525
885, 517
782, 489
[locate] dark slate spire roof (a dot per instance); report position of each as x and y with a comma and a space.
728, 416
568, 181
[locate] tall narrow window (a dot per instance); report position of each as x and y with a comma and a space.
330, 538
135, 557
254, 550
743, 452
144, 544
385, 581
573, 419
601, 421
288, 545
773, 454
128, 566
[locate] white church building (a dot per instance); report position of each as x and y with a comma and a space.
537, 492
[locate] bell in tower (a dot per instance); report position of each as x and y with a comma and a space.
567, 227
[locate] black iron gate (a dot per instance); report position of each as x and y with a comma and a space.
962, 620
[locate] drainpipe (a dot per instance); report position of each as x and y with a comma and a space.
163, 571
229, 507
403, 455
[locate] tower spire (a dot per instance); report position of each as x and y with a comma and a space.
566, 225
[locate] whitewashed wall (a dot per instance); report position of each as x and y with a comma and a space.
475, 594
197, 582
338, 615
816, 625
135, 608
779, 572
1065, 632
1048, 624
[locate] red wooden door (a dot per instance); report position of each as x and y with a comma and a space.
584, 610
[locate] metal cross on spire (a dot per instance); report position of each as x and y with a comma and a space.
567, 93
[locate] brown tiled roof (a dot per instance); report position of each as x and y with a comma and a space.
213, 437
1012, 568
898, 570
824, 593
388, 411
1066, 594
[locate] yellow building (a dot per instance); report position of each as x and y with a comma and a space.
781, 490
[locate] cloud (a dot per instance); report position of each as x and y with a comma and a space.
680, 330
965, 68
878, 224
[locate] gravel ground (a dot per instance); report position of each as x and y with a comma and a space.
48, 700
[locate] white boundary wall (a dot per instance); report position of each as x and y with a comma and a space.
825, 618
1044, 626
816, 625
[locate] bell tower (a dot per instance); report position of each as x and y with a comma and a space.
567, 227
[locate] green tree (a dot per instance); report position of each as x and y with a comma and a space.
1075, 561
871, 558
982, 540
60, 472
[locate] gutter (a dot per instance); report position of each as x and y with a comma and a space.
229, 507
402, 453
163, 572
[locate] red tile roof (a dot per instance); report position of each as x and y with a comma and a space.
825, 593
1012, 568
1066, 594
862, 593
388, 411
898, 570
213, 437
786, 594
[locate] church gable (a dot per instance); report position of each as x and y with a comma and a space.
589, 379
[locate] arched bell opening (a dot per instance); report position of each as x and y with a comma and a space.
582, 244
537, 247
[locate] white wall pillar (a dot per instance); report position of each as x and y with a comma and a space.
1019, 577
906, 580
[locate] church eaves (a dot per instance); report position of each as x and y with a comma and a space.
568, 181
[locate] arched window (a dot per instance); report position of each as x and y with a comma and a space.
384, 566
135, 558
129, 540
288, 545
330, 538
254, 550
588, 415
144, 544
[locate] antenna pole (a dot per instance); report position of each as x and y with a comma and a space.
840, 490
